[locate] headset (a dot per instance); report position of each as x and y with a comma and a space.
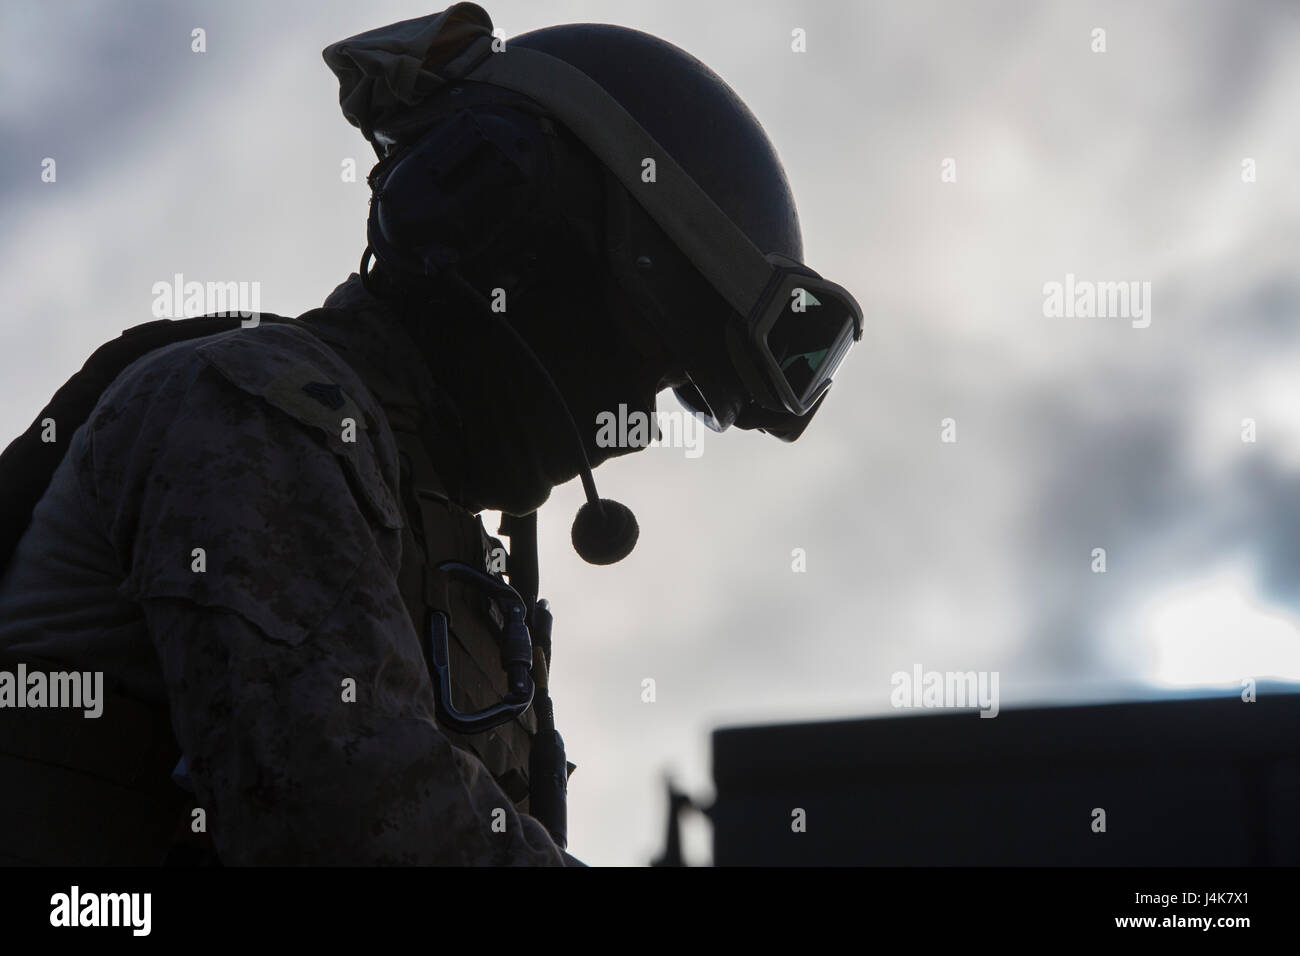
471, 179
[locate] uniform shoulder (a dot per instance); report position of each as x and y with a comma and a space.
255, 445
228, 394
282, 363
263, 350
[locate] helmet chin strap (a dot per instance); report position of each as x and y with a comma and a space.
604, 531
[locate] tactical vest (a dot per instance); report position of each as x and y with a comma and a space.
436, 531
86, 792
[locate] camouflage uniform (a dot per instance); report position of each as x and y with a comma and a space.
236, 444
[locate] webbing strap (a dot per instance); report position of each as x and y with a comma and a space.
448, 534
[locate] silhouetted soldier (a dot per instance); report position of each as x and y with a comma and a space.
267, 538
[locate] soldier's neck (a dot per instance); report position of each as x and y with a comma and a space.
491, 434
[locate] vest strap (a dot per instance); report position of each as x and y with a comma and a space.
439, 531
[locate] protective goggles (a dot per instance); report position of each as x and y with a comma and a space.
788, 348
790, 329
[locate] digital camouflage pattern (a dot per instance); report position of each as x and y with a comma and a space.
238, 445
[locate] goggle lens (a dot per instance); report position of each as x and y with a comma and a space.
809, 339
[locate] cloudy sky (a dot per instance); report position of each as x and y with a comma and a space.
1072, 433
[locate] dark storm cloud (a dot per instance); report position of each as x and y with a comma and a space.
1121, 468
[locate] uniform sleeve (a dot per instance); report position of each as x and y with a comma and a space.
290, 773
264, 556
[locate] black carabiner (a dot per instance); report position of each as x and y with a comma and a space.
516, 648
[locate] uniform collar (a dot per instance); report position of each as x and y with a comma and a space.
483, 435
